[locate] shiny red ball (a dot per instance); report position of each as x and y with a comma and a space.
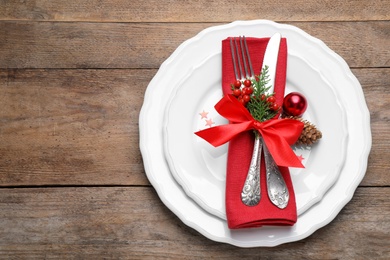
294, 104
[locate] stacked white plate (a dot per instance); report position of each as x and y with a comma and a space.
189, 174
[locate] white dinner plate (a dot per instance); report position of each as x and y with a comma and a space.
200, 168
194, 51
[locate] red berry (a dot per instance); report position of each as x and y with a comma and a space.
236, 92
248, 90
247, 83
274, 106
237, 84
271, 99
262, 97
246, 98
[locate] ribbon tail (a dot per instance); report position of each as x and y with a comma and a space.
282, 152
278, 135
219, 135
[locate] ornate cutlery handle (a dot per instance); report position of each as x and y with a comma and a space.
276, 186
250, 194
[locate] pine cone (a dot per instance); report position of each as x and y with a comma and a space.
310, 134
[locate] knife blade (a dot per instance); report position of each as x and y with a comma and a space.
270, 59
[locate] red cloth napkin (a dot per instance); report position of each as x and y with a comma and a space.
241, 146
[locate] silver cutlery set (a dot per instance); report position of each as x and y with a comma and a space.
276, 187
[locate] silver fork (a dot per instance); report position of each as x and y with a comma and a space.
251, 192
276, 186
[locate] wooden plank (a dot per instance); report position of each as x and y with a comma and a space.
71, 126
194, 11
80, 127
376, 88
147, 45
115, 223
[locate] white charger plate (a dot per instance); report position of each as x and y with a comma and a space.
196, 49
200, 168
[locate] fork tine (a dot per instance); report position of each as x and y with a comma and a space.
243, 57
238, 59
234, 59
243, 62
249, 58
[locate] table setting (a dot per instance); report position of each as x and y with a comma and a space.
194, 130
193, 178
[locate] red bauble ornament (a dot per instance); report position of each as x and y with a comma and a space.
294, 104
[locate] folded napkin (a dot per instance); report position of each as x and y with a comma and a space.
241, 146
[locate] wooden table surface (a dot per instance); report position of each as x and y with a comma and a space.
73, 75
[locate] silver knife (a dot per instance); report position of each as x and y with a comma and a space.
276, 186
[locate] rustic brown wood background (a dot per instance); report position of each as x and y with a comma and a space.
72, 80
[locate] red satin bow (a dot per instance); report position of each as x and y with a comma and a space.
278, 134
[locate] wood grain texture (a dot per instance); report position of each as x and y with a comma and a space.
80, 127
71, 126
146, 45
132, 223
194, 11
376, 89
72, 80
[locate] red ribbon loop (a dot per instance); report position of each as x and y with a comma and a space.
278, 134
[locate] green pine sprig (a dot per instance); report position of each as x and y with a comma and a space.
258, 105
260, 85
